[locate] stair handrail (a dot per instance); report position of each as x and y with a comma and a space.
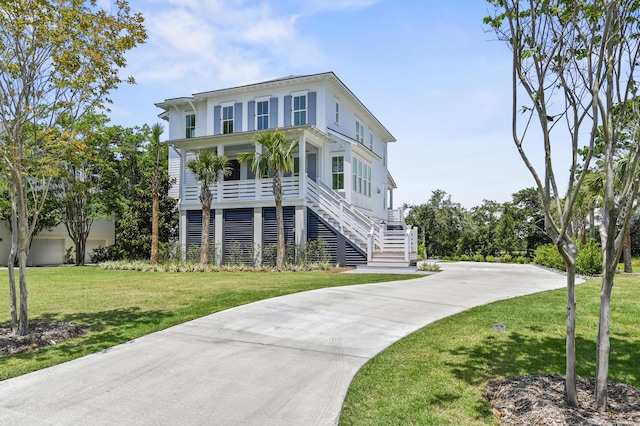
360, 225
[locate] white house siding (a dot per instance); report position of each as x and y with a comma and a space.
48, 247
174, 172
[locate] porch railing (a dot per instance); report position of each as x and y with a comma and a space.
244, 190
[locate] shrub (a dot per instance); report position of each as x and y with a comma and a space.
105, 254
429, 267
589, 259
478, 257
465, 258
421, 251
548, 255
490, 259
506, 258
521, 259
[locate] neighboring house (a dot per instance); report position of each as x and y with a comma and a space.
340, 190
49, 246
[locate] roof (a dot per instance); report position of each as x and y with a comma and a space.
328, 77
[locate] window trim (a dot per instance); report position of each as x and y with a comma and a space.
224, 121
189, 131
264, 115
337, 174
301, 111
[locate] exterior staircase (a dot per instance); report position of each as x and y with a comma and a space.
385, 248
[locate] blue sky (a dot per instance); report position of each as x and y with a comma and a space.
427, 69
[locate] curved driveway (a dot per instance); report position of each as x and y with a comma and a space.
282, 361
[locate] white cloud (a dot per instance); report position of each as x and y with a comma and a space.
222, 42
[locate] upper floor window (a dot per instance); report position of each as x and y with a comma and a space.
361, 177
384, 154
300, 110
371, 141
262, 115
337, 172
337, 113
227, 119
359, 132
190, 126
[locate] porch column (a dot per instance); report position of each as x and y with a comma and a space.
182, 233
300, 225
220, 183
258, 177
257, 235
391, 199
302, 147
218, 228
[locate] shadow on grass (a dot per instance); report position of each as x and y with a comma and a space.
515, 354
106, 329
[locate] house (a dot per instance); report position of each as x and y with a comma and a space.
340, 190
49, 246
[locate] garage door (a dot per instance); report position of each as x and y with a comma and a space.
47, 251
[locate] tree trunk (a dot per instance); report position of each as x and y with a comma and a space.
155, 227
626, 250
277, 194
205, 199
569, 252
11, 267
592, 223
24, 294
204, 239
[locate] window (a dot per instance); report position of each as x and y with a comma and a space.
337, 172
337, 113
227, 119
371, 141
361, 177
300, 110
384, 154
262, 115
359, 132
190, 126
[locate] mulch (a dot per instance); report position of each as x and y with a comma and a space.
539, 399
41, 333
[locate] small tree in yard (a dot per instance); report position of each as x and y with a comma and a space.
573, 63
207, 168
275, 157
59, 57
155, 150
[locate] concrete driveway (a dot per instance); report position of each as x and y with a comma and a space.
282, 361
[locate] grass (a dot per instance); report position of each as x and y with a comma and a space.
436, 376
121, 305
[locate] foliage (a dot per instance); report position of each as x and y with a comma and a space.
429, 267
506, 258
59, 58
274, 156
588, 260
126, 176
490, 259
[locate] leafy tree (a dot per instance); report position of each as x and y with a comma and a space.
58, 57
127, 173
441, 222
79, 181
529, 218
207, 168
507, 240
274, 156
582, 56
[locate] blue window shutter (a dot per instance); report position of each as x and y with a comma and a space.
237, 117
251, 115
216, 120
311, 107
287, 111
273, 112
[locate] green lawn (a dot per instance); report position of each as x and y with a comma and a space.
122, 305
436, 376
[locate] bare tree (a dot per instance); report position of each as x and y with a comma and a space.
573, 62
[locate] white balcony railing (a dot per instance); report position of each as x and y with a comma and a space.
244, 190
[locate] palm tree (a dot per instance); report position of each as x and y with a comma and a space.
156, 131
207, 168
275, 157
